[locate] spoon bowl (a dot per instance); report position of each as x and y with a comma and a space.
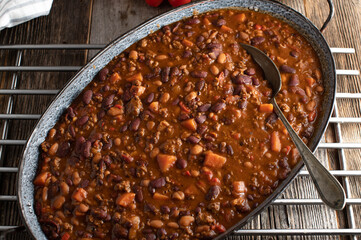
328, 187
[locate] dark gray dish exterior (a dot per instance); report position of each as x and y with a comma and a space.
73, 88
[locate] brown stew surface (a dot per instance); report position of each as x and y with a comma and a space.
175, 138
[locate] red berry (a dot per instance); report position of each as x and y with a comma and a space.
154, 3
176, 3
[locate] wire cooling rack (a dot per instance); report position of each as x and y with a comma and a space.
349, 229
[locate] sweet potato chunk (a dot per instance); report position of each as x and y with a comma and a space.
266, 108
191, 190
135, 77
239, 187
40, 180
165, 161
158, 196
214, 160
79, 194
125, 199
275, 142
240, 18
190, 124
187, 43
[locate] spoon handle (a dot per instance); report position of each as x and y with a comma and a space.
329, 189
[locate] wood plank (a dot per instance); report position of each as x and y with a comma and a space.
58, 27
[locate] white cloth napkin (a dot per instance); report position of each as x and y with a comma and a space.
14, 12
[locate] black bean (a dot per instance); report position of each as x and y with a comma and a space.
135, 124
201, 119
205, 107
158, 183
193, 21
306, 133
71, 113
71, 130
150, 236
242, 104
257, 40
108, 101
230, 150
287, 69
193, 139
161, 232
164, 209
213, 193
218, 107
294, 81
294, 54
199, 74
201, 129
103, 74
165, 74
187, 54
85, 151
200, 85
242, 79
220, 22
119, 231
181, 163
250, 71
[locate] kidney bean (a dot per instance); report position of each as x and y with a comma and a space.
71, 112
86, 149
83, 120
242, 79
135, 124
187, 54
78, 144
164, 209
250, 71
158, 183
108, 145
193, 21
287, 69
139, 195
71, 131
272, 118
220, 22
103, 74
294, 81
237, 89
257, 40
174, 71
218, 107
230, 150
255, 81
213, 193
126, 157
101, 114
83, 183
201, 129
204, 108
181, 163
64, 149
108, 101
95, 136
201, 119
150, 236
119, 231
200, 85
87, 96
193, 139
199, 74
165, 74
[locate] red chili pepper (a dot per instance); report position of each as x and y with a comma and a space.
154, 3
215, 181
118, 106
65, 236
257, 26
177, 3
184, 107
219, 228
187, 173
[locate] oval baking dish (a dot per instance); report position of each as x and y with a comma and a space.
28, 166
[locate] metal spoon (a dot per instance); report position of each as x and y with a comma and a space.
329, 189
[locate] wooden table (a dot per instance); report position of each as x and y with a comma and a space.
99, 22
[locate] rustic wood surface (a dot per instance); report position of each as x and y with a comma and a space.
99, 21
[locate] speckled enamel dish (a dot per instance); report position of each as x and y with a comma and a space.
28, 166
